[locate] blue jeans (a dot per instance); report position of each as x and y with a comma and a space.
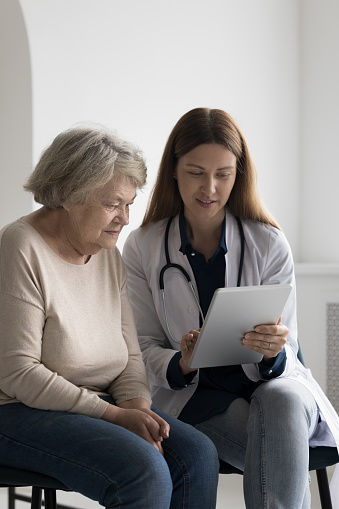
109, 464
268, 439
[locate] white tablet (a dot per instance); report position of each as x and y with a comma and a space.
232, 312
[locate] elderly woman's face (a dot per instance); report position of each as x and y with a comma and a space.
96, 224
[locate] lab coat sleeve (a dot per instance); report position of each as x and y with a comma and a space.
278, 268
269, 372
155, 346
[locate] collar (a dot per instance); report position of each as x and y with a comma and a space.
186, 247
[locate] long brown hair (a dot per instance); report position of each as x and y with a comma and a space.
200, 126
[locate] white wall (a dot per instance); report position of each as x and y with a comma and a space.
317, 286
138, 66
15, 113
319, 210
318, 280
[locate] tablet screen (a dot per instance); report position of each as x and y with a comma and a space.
232, 312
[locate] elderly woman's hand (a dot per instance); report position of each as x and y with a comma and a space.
141, 421
268, 340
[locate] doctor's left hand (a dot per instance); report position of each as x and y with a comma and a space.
268, 340
187, 345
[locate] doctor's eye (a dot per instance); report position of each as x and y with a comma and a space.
195, 173
224, 175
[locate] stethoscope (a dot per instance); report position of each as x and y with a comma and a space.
170, 265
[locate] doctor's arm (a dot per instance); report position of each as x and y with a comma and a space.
155, 346
278, 343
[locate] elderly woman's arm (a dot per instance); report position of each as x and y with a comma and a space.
23, 377
132, 381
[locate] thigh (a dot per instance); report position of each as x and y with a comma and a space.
193, 462
228, 432
188, 444
283, 415
90, 456
285, 404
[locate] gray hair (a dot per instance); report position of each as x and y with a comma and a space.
81, 160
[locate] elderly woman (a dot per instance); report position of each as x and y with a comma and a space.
74, 400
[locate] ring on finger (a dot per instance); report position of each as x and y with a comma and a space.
269, 346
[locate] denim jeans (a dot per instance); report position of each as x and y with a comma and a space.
110, 464
268, 439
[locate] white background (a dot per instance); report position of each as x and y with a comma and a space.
137, 66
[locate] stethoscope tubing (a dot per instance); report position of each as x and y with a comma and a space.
185, 274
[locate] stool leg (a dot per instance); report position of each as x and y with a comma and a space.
36, 498
11, 498
50, 498
324, 490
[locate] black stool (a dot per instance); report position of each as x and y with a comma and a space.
12, 478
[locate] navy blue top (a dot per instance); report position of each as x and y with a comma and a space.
218, 386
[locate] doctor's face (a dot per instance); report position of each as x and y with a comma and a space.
206, 177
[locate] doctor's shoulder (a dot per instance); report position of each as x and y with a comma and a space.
144, 240
148, 233
265, 237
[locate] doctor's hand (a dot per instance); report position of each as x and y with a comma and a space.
268, 340
187, 345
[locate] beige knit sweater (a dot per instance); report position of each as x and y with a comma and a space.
67, 332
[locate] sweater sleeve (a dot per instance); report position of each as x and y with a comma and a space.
23, 377
132, 382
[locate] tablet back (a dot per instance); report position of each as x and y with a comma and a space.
232, 312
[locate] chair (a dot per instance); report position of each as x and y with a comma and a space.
320, 458
12, 478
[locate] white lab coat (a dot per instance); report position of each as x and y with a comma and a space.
267, 260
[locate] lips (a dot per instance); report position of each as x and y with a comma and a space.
206, 201
113, 232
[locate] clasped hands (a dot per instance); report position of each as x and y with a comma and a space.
136, 415
268, 340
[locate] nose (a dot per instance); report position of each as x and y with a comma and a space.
208, 186
123, 216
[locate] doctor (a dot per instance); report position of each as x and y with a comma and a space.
205, 228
